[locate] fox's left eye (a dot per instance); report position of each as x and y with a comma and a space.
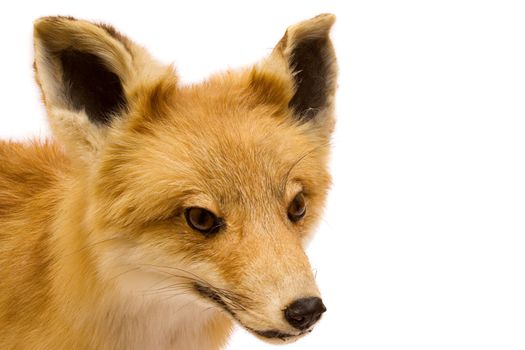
297, 208
203, 220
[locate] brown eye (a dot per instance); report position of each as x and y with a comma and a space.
297, 208
203, 220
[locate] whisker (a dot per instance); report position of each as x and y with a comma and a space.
196, 277
91, 245
123, 273
170, 276
171, 296
234, 301
167, 289
303, 156
185, 305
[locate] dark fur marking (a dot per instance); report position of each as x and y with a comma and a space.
115, 34
310, 61
59, 19
91, 86
208, 293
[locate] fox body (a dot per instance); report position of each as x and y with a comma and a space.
159, 215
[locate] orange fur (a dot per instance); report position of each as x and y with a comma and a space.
94, 247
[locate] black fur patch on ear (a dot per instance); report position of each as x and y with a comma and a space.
91, 86
309, 61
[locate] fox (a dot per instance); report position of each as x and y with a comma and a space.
160, 215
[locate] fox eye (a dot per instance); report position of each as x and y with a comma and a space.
297, 208
202, 220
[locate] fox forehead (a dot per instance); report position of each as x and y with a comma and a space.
213, 147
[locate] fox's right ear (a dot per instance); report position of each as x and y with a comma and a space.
301, 72
87, 73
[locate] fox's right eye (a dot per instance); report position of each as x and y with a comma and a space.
203, 220
297, 208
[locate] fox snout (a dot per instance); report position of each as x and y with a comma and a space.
262, 280
272, 290
300, 315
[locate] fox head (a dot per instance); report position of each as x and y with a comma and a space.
209, 191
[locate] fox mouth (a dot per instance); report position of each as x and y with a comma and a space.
274, 334
215, 296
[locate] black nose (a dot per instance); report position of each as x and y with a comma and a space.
304, 313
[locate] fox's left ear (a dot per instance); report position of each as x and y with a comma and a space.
305, 56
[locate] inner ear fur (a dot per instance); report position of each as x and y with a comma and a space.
91, 86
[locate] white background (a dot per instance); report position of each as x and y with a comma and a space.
422, 245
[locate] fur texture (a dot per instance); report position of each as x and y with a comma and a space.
95, 249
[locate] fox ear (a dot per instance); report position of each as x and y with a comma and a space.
86, 72
310, 60
300, 74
